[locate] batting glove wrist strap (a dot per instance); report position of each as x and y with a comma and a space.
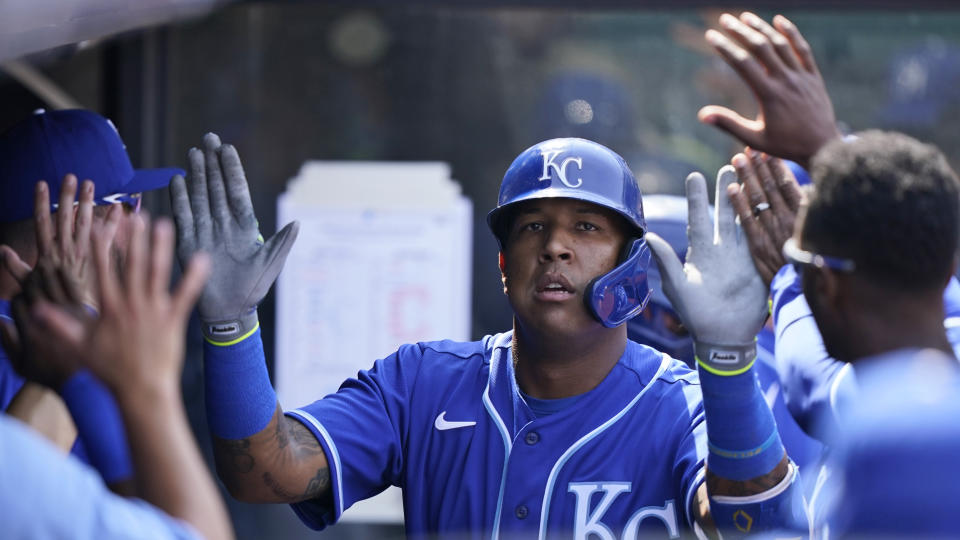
225, 332
724, 359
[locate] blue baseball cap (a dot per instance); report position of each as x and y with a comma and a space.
49, 145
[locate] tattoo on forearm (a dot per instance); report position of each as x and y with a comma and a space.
278, 489
318, 484
237, 452
283, 439
316, 487
305, 442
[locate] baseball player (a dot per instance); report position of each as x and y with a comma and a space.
796, 120
58, 146
561, 427
135, 345
873, 265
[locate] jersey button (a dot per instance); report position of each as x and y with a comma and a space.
521, 512
532, 438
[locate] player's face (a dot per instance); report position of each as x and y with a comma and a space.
554, 248
832, 324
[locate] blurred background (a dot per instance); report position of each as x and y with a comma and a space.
467, 83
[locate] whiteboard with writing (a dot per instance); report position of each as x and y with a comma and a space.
383, 258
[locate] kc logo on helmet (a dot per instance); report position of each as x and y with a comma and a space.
549, 160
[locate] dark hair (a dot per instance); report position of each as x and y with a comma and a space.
890, 203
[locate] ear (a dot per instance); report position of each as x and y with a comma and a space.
830, 287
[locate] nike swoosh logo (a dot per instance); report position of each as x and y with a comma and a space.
442, 424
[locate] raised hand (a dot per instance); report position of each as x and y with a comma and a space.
717, 292
796, 115
62, 274
767, 203
136, 346
214, 214
137, 341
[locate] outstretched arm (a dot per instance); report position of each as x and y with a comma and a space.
282, 463
812, 380
261, 455
135, 346
796, 115
722, 300
62, 247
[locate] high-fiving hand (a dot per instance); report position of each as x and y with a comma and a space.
214, 214
767, 204
63, 274
717, 291
796, 115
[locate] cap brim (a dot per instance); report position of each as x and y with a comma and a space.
151, 179
143, 180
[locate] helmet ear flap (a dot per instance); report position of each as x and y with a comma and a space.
620, 294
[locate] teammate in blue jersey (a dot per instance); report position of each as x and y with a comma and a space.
873, 254
796, 120
561, 427
135, 346
58, 398
658, 325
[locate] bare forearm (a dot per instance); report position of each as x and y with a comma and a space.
170, 472
44, 411
283, 463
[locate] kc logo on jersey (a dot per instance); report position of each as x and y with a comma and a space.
550, 161
588, 523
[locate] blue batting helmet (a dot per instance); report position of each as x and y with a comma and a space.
659, 325
584, 170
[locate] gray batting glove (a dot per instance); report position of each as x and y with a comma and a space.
214, 214
717, 293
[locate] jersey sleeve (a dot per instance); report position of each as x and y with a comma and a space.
813, 382
361, 428
48, 483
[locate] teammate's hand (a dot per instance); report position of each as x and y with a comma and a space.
796, 115
214, 214
65, 246
767, 203
135, 345
63, 275
717, 292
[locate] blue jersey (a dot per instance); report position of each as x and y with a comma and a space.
815, 384
446, 422
896, 447
805, 451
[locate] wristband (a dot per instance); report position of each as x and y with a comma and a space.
240, 400
99, 425
231, 331
742, 437
725, 360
